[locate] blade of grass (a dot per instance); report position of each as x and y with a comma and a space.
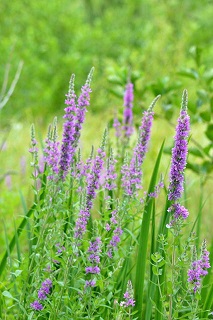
29, 237
152, 294
143, 241
207, 292
17, 244
21, 227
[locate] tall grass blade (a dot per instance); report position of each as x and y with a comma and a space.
17, 244
22, 226
143, 241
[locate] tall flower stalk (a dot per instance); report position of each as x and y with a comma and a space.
74, 115
178, 163
93, 180
176, 188
179, 152
67, 150
131, 180
128, 115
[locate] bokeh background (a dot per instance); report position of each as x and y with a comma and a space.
161, 46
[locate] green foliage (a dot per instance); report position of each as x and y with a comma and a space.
147, 38
155, 262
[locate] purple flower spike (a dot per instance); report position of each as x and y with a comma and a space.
128, 116
111, 174
45, 289
179, 153
94, 259
90, 283
51, 150
144, 134
199, 268
67, 150
117, 126
83, 103
128, 296
179, 212
36, 305
93, 180
132, 175
74, 115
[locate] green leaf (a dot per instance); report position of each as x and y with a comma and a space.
203, 94
196, 152
208, 148
209, 132
143, 240
7, 294
115, 79
205, 115
208, 75
17, 273
117, 91
189, 73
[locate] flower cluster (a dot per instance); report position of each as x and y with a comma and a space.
67, 150
94, 258
93, 180
51, 151
128, 296
132, 174
156, 191
117, 126
179, 153
199, 268
111, 175
74, 115
116, 234
178, 212
178, 164
128, 116
43, 292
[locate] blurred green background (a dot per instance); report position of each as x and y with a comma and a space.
151, 39
162, 46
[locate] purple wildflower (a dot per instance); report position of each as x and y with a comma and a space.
94, 269
83, 103
74, 115
52, 150
156, 192
116, 233
67, 150
90, 283
45, 289
94, 177
60, 248
82, 169
179, 212
42, 294
93, 180
117, 126
111, 174
199, 268
144, 134
94, 258
128, 116
128, 296
131, 180
179, 152
36, 305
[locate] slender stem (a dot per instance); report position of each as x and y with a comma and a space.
173, 280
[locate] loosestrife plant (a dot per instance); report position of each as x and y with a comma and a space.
94, 251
